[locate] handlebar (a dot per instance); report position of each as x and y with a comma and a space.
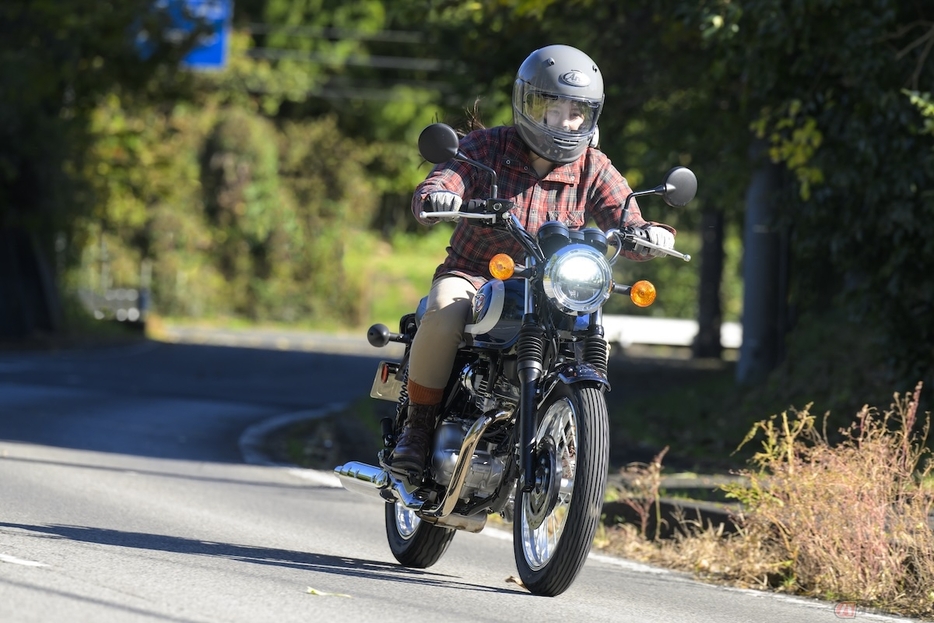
493, 210
481, 209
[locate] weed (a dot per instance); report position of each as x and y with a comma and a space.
851, 519
641, 483
845, 521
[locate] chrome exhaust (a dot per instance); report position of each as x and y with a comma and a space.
375, 481
362, 478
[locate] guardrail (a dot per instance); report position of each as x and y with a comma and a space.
629, 330
622, 330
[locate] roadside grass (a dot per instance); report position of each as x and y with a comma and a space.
395, 275
78, 329
682, 404
842, 521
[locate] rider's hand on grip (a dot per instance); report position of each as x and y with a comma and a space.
661, 237
443, 201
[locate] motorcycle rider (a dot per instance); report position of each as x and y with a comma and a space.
549, 167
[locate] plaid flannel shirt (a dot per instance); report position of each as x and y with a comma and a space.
574, 193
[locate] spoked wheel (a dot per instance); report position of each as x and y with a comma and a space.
414, 543
555, 522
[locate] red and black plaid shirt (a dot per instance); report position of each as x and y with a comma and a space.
573, 193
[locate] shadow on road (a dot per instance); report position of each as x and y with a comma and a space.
322, 563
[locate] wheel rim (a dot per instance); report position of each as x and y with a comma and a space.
406, 521
545, 510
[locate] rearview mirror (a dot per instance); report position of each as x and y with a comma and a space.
438, 143
679, 187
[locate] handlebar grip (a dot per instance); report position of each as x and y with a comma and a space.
474, 205
630, 236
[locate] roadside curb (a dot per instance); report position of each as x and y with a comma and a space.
253, 440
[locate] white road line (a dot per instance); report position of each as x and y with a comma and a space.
13, 560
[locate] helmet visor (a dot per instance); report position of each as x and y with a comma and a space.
559, 113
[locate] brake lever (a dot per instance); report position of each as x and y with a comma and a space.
456, 215
652, 245
483, 209
629, 241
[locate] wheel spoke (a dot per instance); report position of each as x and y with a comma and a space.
558, 424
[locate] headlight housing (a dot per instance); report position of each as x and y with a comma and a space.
578, 279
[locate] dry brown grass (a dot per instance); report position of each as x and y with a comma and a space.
846, 521
643, 481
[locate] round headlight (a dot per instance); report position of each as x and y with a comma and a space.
578, 279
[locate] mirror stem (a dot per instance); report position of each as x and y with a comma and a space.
494, 189
632, 195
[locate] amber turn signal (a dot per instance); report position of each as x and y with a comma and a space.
502, 266
642, 293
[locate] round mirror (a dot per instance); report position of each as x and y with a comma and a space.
680, 186
438, 143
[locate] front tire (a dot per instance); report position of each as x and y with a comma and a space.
414, 543
555, 523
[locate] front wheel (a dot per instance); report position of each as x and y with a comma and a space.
555, 523
414, 543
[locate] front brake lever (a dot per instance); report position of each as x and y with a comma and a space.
484, 209
630, 241
454, 215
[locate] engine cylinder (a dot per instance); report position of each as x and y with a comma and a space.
485, 470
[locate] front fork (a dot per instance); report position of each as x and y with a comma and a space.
531, 355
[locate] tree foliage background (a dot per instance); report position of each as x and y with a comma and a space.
239, 187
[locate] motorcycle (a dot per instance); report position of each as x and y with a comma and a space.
523, 431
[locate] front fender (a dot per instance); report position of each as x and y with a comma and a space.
570, 373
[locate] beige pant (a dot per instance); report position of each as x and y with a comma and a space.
440, 333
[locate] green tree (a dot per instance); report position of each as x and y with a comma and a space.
57, 59
824, 83
239, 177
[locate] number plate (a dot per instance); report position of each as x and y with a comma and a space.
388, 382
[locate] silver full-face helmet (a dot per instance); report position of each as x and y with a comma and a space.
556, 101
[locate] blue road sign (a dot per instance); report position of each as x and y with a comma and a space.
211, 51
185, 15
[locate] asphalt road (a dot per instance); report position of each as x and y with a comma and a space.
125, 496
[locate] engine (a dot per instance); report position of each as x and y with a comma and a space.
486, 468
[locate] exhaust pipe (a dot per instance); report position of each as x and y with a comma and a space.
374, 481
362, 478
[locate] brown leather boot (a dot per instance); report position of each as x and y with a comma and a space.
408, 457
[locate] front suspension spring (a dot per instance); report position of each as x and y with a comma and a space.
596, 351
531, 347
